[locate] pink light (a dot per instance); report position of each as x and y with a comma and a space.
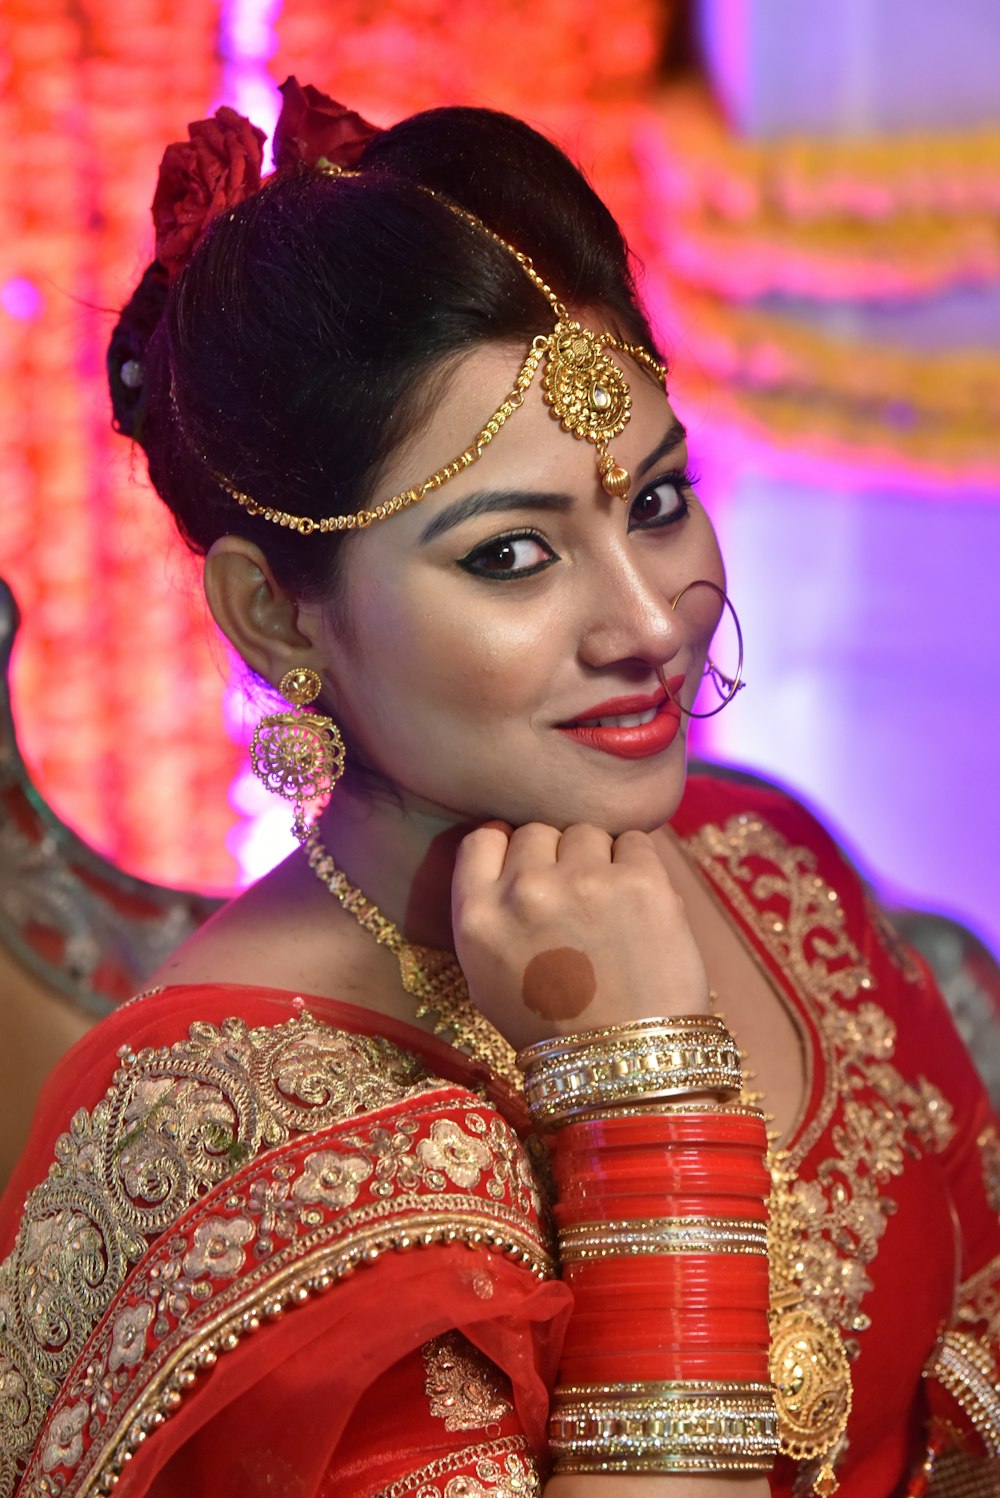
22, 299
247, 42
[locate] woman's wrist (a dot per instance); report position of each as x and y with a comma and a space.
661, 1219
658, 1059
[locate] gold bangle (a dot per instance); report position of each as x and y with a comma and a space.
664, 1427
670, 1108
662, 1235
964, 1366
646, 1061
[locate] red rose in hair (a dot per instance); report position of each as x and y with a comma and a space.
312, 127
199, 179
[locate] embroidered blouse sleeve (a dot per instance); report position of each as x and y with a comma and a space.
962, 1375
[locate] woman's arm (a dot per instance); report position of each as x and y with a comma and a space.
577, 943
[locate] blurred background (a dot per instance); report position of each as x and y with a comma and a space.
813, 191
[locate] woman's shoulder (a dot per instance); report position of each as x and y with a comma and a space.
744, 827
234, 1059
732, 798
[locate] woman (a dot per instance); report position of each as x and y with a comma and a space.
444, 505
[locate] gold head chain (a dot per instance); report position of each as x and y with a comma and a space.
585, 389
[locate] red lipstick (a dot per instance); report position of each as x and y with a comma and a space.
632, 741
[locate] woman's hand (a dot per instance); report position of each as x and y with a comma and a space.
565, 931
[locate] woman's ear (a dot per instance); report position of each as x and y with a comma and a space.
263, 622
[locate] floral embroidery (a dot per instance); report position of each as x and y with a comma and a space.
463, 1387
254, 1247
175, 1122
989, 1158
979, 1299
501, 1469
457, 1155
331, 1179
129, 1336
827, 1230
65, 1441
218, 1248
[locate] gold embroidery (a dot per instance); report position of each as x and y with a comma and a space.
464, 1388
255, 1252
175, 1121
989, 1157
979, 1299
825, 1231
965, 1366
500, 1469
832, 1225
452, 1153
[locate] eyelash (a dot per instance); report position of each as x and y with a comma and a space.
683, 480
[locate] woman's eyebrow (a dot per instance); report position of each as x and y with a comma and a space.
489, 501
676, 434
493, 501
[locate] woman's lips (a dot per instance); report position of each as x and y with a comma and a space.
632, 740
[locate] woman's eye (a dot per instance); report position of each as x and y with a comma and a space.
510, 556
662, 502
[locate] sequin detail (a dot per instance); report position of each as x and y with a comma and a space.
175, 1122
496, 1469
463, 1388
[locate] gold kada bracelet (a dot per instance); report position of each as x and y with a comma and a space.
664, 1427
644, 1061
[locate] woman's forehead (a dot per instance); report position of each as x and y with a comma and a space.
530, 448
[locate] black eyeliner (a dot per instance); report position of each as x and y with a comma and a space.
683, 480
467, 563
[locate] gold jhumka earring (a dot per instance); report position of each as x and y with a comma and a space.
298, 755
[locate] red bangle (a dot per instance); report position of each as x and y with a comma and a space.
744, 1162
669, 1330
671, 1281
710, 1364
616, 1131
648, 1206
660, 1218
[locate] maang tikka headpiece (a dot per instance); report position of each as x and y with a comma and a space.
584, 387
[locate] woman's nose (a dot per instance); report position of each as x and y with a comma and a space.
629, 617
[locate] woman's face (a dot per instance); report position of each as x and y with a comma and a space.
488, 623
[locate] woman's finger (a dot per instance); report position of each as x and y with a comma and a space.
532, 846
481, 855
583, 844
637, 849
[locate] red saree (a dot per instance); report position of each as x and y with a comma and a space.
249, 1249
292, 1247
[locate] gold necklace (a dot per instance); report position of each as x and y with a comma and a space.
430, 976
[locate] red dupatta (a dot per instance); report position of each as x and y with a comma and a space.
251, 1225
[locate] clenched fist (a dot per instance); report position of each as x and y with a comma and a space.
564, 931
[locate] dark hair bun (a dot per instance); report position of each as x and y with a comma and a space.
127, 350
299, 345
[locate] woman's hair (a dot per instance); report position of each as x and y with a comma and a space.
306, 338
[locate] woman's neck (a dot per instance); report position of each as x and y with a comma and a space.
401, 859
